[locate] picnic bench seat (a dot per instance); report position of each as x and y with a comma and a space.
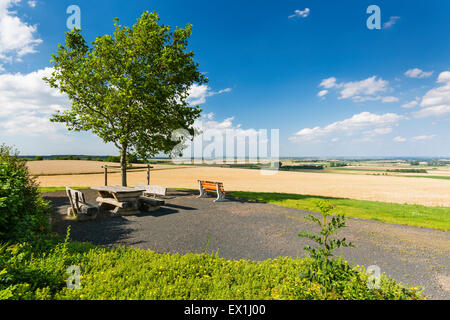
210, 186
79, 207
153, 190
149, 199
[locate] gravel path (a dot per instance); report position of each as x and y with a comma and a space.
258, 231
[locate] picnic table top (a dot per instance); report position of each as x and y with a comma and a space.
118, 189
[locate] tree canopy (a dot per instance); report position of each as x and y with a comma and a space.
129, 88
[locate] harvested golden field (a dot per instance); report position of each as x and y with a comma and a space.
430, 192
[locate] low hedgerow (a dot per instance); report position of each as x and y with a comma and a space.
39, 272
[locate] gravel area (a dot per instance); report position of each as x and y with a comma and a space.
247, 230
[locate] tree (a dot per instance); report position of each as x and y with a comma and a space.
130, 88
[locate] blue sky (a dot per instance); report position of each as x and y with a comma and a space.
309, 68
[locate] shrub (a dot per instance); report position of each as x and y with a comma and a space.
22, 212
112, 159
39, 158
326, 270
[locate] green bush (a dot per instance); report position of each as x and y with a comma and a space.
112, 159
28, 272
23, 214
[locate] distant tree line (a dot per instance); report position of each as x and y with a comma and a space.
408, 170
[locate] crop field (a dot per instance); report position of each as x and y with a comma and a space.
385, 188
69, 167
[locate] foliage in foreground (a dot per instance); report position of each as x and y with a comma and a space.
326, 266
39, 272
407, 214
23, 214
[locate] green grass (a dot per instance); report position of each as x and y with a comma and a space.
51, 189
407, 214
125, 273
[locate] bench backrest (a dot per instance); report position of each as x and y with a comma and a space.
153, 189
75, 197
211, 186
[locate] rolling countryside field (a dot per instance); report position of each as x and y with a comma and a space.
354, 184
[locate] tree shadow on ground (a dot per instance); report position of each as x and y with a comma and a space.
251, 197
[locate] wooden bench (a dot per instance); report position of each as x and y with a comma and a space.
148, 199
79, 207
153, 190
209, 186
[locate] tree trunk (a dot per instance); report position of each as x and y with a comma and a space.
123, 165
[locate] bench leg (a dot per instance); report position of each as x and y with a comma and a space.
202, 191
220, 195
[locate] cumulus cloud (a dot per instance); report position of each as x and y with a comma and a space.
32, 3
417, 73
199, 93
215, 139
392, 20
399, 139
367, 124
17, 37
26, 103
359, 91
322, 93
422, 138
436, 102
328, 83
369, 86
300, 13
411, 104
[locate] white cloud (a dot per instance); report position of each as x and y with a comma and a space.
389, 99
199, 93
359, 91
17, 38
417, 73
300, 13
26, 103
378, 131
436, 102
32, 3
369, 86
358, 123
422, 138
322, 93
399, 139
328, 83
392, 20
411, 104
435, 111
444, 77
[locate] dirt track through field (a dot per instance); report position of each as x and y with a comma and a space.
430, 192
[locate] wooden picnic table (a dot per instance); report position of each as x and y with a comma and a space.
121, 200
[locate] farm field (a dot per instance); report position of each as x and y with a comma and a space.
66, 167
410, 190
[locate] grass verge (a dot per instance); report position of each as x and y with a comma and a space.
52, 189
407, 214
